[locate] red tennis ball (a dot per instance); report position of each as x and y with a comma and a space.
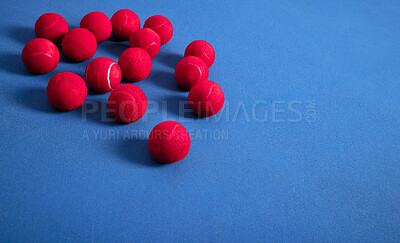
147, 39
202, 49
206, 98
127, 103
135, 64
169, 142
189, 71
124, 23
99, 24
51, 26
79, 44
103, 75
40, 56
162, 26
66, 91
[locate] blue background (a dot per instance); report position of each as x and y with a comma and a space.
310, 139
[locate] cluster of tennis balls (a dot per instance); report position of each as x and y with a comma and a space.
169, 141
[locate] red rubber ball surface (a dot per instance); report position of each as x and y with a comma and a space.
40, 56
66, 91
79, 44
206, 98
124, 23
147, 39
51, 26
169, 142
202, 49
99, 24
103, 75
127, 103
189, 71
162, 26
135, 64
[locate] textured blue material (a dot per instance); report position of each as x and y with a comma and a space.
306, 149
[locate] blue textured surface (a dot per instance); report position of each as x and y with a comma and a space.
306, 149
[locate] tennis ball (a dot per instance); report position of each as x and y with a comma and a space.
147, 39
51, 26
169, 142
66, 91
189, 71
124, 23
99, 24
127, 103
202, 49
103, 74
162, 26
40, 56
206, 98
79, 44
135, 64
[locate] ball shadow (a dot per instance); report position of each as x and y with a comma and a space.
178, 105
22, 34
135, 150
169, 59
35, 99
165, 80
12, 63
115, 49
97, 112
63, 57
114, 38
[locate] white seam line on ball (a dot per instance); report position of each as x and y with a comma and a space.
152, 43
54, 23
41, 53
205, 54
157, 26
108, 75
197, 66
209, 92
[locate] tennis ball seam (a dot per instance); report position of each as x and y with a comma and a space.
153, 43
158, 26
122, 27
108, 75
169, 137
53, 24
57, 84
133, 99
43, 53
195, 65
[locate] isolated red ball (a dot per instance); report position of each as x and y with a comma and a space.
169, 142
147, 39
66, 91
124, 23
202, 49
103, 75
79, 44
162, 26
206, 98
99, 24
51, 26
189, 71
127, 103
40, 56
135, 64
